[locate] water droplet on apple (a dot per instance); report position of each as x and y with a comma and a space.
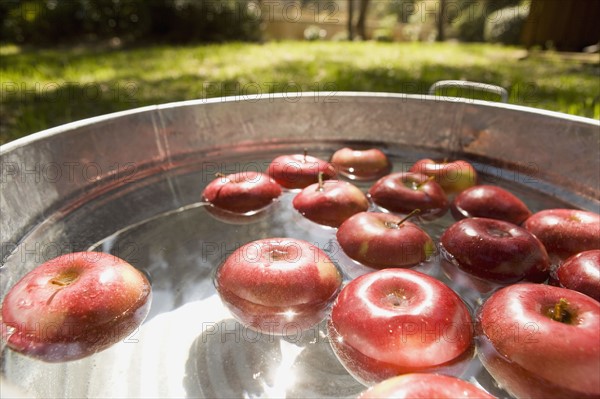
499, 233
25, 303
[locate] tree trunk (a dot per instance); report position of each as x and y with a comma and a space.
441, 36
350, 20
362, 19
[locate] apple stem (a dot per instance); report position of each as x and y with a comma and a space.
219, 174
413, 213
305, 154
559, 312
321, 182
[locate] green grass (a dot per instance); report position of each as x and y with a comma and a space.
48, 87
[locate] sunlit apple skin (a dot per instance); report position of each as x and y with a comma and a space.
454, 176
495, 250
565, 232
330, 203
424, 386
375, 240
531, 355
398, 321
74, 305
278, 285
299, 170
368, 164
242, 192
491, 202
580, 272
403, 192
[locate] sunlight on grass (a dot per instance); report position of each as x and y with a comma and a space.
45, 88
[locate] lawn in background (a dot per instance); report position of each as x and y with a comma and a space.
42, 88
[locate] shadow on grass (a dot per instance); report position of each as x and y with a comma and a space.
28, 107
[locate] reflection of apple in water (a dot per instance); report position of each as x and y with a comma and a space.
453, 176
278, 285
330, 202
383, 240
491, 202
424, 386
580, 272
541, 341
299, 170
242, 192
402, 192
74, 305
565, 232
241, 218
471, 288
495, 250
361, 164
397, 321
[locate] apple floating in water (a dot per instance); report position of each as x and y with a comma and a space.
73, 306
491, 202
402, 192
454, 176
398, 321
241, 193
278, 286
368, 164
580, 272
424, 386
565, 232
541, 341
495, 250
299, 170
330, 202
382, 240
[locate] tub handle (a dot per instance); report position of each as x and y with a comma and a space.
464, 84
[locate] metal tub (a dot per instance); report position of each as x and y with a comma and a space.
78, 168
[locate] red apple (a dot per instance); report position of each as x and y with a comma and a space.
331, 202
490, 202
581, 273
541, 341
565, 232
242, 192
454, 176
74, 305
278, 285
403, 192
361, 164
398, 321
383, 240
495, 250
299, 170
424, 386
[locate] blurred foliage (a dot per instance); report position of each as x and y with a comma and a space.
385, 31
50, 22
505, 25
469, 18
402, 9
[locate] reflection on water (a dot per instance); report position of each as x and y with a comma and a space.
229, 360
